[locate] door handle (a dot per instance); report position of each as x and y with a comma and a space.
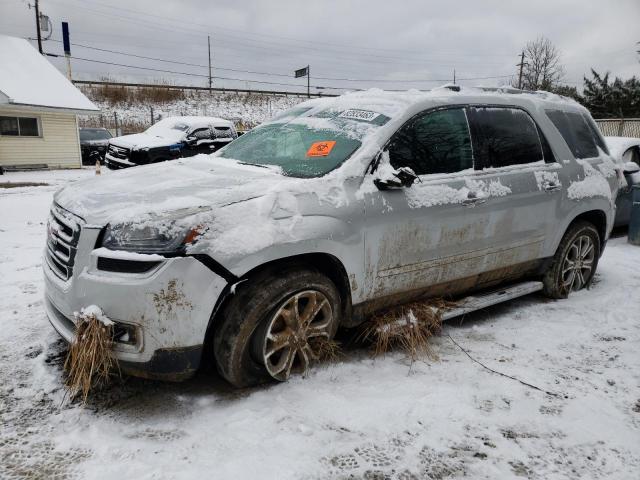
551, 186
473, 200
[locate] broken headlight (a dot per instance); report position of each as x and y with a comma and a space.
169, 236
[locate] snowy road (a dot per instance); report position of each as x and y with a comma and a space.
359, 418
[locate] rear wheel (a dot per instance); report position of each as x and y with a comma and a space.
269, 328
575, 261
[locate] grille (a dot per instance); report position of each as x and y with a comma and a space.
118, 152
63, 233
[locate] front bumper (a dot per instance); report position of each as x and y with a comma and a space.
168, 308
114, 163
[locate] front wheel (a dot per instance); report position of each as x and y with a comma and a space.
270, 327
575, 261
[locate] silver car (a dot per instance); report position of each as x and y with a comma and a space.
329, 212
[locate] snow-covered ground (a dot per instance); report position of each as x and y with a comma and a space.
358, 418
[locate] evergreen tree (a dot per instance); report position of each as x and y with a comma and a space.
618, 99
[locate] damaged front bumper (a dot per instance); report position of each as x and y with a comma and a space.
161, 315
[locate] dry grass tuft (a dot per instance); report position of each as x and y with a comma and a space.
408, 328
326, 350
90, 361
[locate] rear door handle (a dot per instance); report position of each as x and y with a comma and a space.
551, 186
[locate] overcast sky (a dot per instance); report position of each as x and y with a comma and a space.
379, 43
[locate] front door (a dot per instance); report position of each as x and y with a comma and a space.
427, 234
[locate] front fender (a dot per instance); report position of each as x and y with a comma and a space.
289, 237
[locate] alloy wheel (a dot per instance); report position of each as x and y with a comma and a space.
578, 263
288, 343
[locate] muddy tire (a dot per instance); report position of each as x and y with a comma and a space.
575, 261
257, 331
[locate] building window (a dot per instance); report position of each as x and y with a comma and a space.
19, 126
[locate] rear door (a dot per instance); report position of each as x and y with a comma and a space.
510, 149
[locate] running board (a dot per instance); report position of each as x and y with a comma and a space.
473, 303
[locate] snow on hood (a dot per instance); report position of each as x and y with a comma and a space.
619, 145
142, 140
135, 193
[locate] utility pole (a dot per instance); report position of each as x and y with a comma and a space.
454, 76
37, 9
521, 64
308, 81
209, 47
66, 44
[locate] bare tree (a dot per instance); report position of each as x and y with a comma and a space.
542, 69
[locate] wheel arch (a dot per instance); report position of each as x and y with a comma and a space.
323, 262
598, 219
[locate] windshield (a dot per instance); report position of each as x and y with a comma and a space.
94, 134
168, 128
300, 150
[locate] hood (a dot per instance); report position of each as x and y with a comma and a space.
157, 189
619, 145
142, 140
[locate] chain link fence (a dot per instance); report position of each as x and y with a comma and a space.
619, 127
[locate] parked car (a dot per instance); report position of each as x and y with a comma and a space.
93, 140
331, 211
625, 152
170, 138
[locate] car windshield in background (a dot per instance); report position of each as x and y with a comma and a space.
94, 134
299, 150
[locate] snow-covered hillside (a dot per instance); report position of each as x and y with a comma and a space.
134, 114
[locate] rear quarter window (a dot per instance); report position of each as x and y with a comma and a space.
581, 136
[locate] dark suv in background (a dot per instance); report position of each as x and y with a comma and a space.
93, 140
170, 138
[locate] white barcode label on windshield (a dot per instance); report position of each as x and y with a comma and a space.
359, 115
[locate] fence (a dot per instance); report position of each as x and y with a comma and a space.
619, 127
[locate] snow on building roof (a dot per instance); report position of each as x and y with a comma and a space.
28, 79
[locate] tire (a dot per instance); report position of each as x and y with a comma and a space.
580, 242
245, 352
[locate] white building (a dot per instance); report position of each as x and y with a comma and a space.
38, 110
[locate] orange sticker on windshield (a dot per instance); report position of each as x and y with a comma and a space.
321, 149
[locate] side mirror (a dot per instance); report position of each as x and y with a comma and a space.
191, 140
403, 177
630, 167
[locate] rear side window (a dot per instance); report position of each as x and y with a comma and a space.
436, 142
580, 136
504, 136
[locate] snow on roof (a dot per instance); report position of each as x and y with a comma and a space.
28, 79
195, 121
391, 103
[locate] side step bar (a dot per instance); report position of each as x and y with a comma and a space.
473, 303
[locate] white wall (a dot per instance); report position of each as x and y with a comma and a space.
58, 147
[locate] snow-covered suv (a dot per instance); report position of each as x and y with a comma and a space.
331, 211
170, 138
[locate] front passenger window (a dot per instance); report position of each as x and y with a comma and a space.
436, 142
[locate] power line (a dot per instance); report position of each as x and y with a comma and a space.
254, 72
172, 20
195, 74
244, 42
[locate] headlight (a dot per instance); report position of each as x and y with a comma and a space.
169, 236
